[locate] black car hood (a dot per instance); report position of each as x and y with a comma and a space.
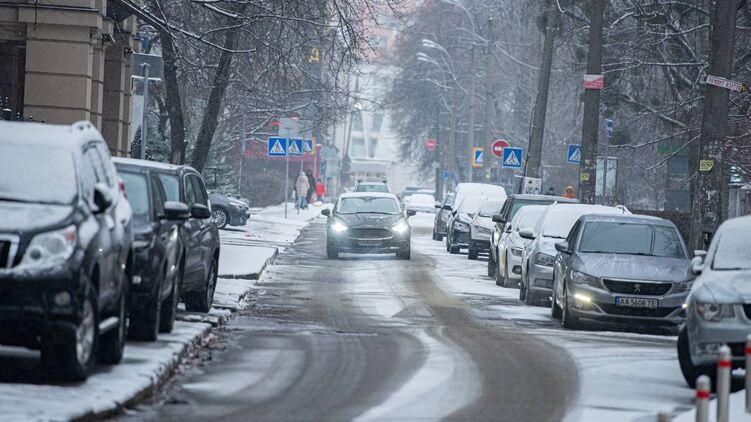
16, 217
634, 267
369, 220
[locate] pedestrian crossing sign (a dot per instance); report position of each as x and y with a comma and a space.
277, 147
478, 154
512, 158
307, 146
294, 147
574, 154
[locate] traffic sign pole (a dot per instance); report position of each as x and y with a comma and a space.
286, 182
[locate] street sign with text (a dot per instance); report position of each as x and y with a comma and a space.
726, 83
594, 81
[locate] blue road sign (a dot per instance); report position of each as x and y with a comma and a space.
574, 154
512, 158
445, 175
277, 147
294, 147
478, 154
609, 127
307, 146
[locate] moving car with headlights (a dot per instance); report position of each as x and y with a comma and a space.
157, 253
442, 215
198, 233
510, 207
538, 257
65, 244
621, 268
420, 202
368, 223
719, 305
228, 211
469, 196
481, 227
509, 249
363, 186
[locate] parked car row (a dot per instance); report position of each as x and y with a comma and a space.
94, 250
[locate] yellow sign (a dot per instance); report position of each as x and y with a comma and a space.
315, 56
584, 177
706, 165
478, 153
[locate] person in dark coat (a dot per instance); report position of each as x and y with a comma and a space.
312, 186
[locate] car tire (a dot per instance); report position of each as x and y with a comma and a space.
201, 300
169, 305
522, 291
73, 356
145, 320
439, 237
530, 299
507, 280
690, 371
555, 310
568, 320
491, 266
472, 254
405, 254
331, 251
112, 344
221, 217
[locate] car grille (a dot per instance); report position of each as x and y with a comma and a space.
369, 233
637, 288
747, 310
8, 247
640, 312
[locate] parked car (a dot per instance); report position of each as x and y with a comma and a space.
469, 196
719, 305
65, 244
481, 227
368, 223
538, 257
157, 251
510, 207
420, 202
442, 216
198, 233
510, 247
363, 186
621, 268
228, 211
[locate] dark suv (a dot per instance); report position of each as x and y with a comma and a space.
65, 243
228, 211
157, 251
198, 233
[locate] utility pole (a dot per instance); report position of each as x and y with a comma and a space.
471, 131
534, 157
707, 204
591, 121
490, 73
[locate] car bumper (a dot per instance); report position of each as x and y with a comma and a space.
540, 280
365, 245
601, 306
460, 238
439, 226
238, 217
28, 310
480, 245
515, 266
705, 338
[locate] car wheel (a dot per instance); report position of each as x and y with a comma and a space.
472, 253
568, 320
72, 356
438, 237
200, 301
331, 251
530, 299
448, 242
522, 291
690, 371
405, 253
145, 319
112, 344
507, 282
555, 310
169, 306
491, 266
221, 217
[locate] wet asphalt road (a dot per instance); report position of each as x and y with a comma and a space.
368, 338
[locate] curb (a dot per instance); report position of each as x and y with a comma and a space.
255, 275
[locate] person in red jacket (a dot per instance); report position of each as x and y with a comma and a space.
320, 189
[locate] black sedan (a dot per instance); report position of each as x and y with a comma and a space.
368, 223
157, 250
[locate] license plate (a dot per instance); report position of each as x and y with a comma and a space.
636, 302
369, 243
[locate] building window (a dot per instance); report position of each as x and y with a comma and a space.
12, 75
372, 145
358, 147
357, 121
377, 121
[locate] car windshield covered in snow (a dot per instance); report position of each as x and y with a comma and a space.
33, 174
733, 251
421, 198
490, 208
631, 239
527, 217
470, 204
374, 205
138, 195
372, 187
559, 219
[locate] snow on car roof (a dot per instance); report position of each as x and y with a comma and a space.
49, 134
623, 218
145, 163
368, 195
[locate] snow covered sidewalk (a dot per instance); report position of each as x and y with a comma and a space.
26, 394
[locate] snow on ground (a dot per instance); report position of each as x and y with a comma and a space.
623, 376
737, 410
27, 395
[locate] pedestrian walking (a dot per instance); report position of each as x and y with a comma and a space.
569, 192
311, 186
320, 189
302, 186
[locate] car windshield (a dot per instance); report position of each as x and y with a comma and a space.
374, 205
490, 208
733, 251
470, 204
138, 195
518, 203
29, 173
631, 239
560, 219
372, 187
171, 186
527, 218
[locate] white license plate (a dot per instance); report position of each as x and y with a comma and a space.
636, 302
369, 243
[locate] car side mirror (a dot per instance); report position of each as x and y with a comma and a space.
174, 210
447, 207
498, 218
471, 214
562, 247
507, 228
326, 212
453, 212
527, 233
410, 213
102, 198
697, 263
200, 211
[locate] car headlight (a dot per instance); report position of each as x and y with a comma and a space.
237, 205
482, 230
461, 226
581, 278
338, 227
714, 312
46, 248
517, 252
400, 227
683, 286
544, 259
